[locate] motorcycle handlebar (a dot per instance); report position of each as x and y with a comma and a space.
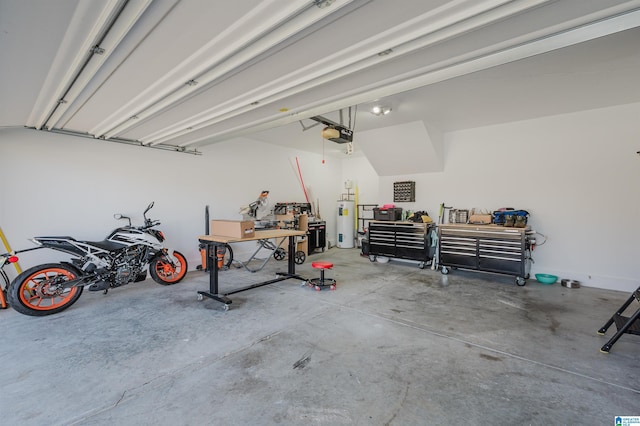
151, 223
148, 223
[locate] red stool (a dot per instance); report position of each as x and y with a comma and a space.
318, 283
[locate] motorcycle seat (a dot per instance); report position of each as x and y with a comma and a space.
55, 238
107, 245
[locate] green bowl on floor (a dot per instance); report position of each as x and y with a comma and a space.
546, 278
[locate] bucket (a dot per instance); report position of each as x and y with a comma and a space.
203, 258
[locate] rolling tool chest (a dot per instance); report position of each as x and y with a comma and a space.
487, 248
317, 236
403, 240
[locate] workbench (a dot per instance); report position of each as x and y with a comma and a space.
212, 242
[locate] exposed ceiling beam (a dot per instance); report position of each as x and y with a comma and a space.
185, 73
73, 54
448, 21
595, 25
101, 53
259, 30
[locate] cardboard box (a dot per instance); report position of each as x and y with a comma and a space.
480, 218
233, 228
303, 222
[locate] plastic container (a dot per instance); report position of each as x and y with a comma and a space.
391, 214
546, 278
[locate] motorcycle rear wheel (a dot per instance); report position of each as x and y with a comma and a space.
34, 291
165, 272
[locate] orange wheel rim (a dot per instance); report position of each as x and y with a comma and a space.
169, 272
37, 291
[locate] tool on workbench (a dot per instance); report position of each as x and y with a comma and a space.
258, 208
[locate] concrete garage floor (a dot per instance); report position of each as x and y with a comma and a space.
393, 345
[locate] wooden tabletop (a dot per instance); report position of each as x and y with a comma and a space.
259, 235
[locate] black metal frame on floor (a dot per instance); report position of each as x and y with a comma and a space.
213, 293
630, 325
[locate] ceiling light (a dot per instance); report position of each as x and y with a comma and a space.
380, 110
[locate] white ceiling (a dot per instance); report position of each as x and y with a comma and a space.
180, 74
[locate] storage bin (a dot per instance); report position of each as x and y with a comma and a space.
458, 216
393, 213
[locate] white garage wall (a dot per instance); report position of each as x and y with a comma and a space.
577, 174
362, 174
61, 185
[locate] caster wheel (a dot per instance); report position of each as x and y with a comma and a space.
300, 257
225, 307
421, 265
200, 297
372, 258
445, 270
333, 287
317, 288
279, 254
520, 281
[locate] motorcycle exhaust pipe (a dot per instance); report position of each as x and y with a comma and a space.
99, 286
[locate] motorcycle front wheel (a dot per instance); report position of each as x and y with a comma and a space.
166, 271
38, 292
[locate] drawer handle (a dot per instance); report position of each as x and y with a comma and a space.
457, 253
500, 258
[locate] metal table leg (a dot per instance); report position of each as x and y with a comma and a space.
214, 293
212, 249
291, 260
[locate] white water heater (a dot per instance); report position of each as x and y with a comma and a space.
346, 224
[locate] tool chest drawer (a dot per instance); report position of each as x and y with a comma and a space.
405, 240
488, 248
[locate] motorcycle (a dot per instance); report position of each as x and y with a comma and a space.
123, 257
